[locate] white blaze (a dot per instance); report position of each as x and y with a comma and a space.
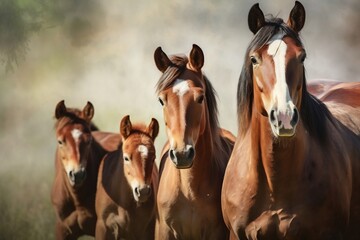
143, 151
280, 96
76, 133
181, 87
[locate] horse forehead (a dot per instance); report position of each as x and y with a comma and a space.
181, 87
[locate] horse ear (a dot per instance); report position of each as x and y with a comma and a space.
88, 112
153, 129
196, 57
297, 17
125, 126
256, 19
162, 61
60, 109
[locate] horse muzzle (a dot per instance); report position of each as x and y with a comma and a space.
77, 177
183, 159
283, 123
142, 193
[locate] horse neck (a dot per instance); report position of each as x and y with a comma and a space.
204, 165
281, 159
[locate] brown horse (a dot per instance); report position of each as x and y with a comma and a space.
77, 161
127, 185
342, 99
295, 170
195, 157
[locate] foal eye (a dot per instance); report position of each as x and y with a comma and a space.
161, 102
253, 60
303, 57
200, 99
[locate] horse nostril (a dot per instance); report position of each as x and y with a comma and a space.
295, 118
137, 191
272, 116
172, 154
191, 153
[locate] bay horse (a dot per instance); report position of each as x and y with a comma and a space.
294, 172
78, 156
195, 157
127, 185
341, 98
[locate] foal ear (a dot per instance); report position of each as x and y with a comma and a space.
196, 57
162, 61
256, 19
60, 109
153, 129
297, 17
88, 112
125, 126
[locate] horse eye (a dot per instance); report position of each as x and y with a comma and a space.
200, 99
126, 159
253, 60
60, 142
161, 102
303, 57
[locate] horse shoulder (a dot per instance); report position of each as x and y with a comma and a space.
240, 186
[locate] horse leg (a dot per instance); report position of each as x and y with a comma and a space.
101, 231
233, 236
63, 231
163, 232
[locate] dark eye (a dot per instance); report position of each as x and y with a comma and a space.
161, 102
200, 99
253, 60
126, 159
303, 57
60, 142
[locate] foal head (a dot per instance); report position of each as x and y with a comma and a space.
275, 60
139, 156
74, 138
181, 91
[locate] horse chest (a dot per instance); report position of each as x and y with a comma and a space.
196, 219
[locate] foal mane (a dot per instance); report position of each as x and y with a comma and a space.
73, 116
313, 112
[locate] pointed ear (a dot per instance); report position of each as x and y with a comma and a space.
196, 57
256, 19
60, 109
125, 126
153, 129
88, 112
297, 17
162, 61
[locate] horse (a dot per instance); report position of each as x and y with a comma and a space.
127, 185
341, 98
78, 156
195, 156
294, 172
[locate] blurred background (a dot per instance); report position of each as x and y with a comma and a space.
102, 51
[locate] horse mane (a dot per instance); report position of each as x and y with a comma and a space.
313, 112
73, 115
169, 77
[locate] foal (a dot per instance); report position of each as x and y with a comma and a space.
127, 185
77, 161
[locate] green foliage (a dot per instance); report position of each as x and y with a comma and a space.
16, 26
